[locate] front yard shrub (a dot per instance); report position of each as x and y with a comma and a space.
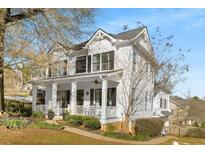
196, 132
93, 123
39, 115
66, 116
26, 111
13, 123
88, 121
45, 125
124, 136
76, 120
149, 126
51, 114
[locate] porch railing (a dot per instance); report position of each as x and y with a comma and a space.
55, 109
111, 111
96, 111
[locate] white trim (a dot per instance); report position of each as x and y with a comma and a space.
93, 37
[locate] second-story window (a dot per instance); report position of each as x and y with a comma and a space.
65, 67
81, 64
105, 61
89, 63
160, 102
96, 62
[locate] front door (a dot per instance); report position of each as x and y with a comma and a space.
63, 98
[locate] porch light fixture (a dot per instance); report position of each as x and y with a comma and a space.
96, 82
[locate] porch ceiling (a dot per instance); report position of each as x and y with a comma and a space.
111, 75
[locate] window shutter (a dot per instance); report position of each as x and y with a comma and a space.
113, 96
111, 60
91, 96
68, 97
89, 63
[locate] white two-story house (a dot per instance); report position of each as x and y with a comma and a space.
94, 77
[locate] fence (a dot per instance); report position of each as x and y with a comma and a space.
179, 131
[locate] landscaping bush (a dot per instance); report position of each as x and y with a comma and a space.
149, 126
51, 114
196, 132
93, 123
13, 123
66, 116
39, 115
26, 111
88, 121
45, 125
76, 120
124, 136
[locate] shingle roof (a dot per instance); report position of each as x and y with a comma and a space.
129, 34
123, 35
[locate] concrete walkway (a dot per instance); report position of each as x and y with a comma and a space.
154, 141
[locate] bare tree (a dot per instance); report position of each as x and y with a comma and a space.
136, 85
167, 69
172, 64
27, 34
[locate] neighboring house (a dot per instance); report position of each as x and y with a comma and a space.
88, 80
14, 81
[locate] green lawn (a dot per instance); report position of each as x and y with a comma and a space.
42, 137
186, 140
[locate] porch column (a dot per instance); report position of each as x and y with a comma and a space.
73, 103
104, 100
34, 97
54, 99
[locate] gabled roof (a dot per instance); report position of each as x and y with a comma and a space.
63, 46
127, 35
158, 88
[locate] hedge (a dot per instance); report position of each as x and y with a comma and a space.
149, 126
88, 121
93, 123
196, 132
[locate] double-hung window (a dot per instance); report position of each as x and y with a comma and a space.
111, 97
96, 62
81, 64
105, 61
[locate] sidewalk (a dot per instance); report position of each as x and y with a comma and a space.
154, 141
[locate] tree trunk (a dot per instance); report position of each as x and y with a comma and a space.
3, 13
126, 125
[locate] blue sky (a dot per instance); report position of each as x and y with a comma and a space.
187, 26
